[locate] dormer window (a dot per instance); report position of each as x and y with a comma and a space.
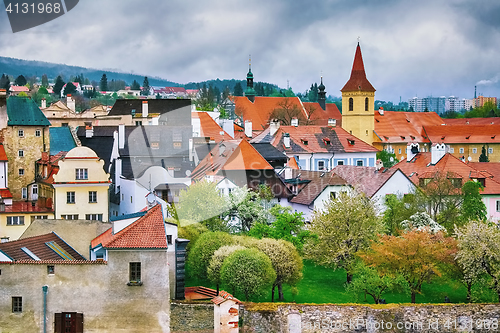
304, 142
326, 141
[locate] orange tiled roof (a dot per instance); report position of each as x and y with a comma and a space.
420, 167
491, 169
231, 155
260, 110
3, 155
368, 180
224, 296
5, 193
320, 139
471, 121
148, 232
464, 133
209, 128
404, 127
358, 80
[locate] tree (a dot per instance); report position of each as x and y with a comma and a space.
245, 205
417, 255
103, 84
473, 207
421, 221
483, 157
388, 159
192, 232
201, 202
345, 226
20, 80
286, 262
248, 272
312, 95
5, 82
369, 282
238, 89
45, 81
215, 265
202, 251
285, 111
135, 86
59, 84
43, 91
479, 253
145, 87
69, 89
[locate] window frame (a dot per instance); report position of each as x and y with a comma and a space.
366, 103
69, 216
351, 104
135, 272
474, 150
20, 172
70, 197
358, 163
323, 167
94, 217
20, 133
461, 150
15, 220
498, 205
92, 196
17, 304
38, 133
81, 174
490, 150
20, 153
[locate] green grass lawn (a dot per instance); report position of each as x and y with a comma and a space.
323, 285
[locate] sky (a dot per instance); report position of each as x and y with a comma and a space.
410, 48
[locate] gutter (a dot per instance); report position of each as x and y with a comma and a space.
45, 290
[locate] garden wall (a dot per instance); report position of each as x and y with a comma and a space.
306, 318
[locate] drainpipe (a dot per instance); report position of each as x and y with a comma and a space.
45, 290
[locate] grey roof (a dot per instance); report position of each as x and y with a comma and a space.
179, 110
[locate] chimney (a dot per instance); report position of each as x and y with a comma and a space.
288, 172
294, 122
379, 165
121, 136
228, 126
196, 123
274, 126
381, 111
248, 128
44, 103
89, 131
118, 173
286, 140
437, 152
332, 122
70, 102
411, 150
145, 109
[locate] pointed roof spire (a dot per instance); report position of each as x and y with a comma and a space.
321, 86
358, 80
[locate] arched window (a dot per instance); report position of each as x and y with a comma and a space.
366, 104
351, 104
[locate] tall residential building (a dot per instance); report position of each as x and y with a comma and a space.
431, 104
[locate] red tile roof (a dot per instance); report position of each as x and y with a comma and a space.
19, 88
38, 246
368, 180
260, 110
148, 232
5, 193
471, 121
318, 182
3, 155
26, 207
209, 128
358, 80
230, 155
478, 134
492, 169
224, 296
420, 167
404, 127
191, 293
318, 139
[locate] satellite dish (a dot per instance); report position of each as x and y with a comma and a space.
188, 173
469, 158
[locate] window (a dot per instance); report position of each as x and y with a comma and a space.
81, 174
15, 220
366, 104
400, 150
39, 217
70, 217
20, 153
38, 133
461, 150
321, 165
333, 195
135, 272
169, 239
70, 197
17, 304
93, 217
359, 162
34, 189
177, 145
92, 196
50, 269
20, 133
21, 172
138, 123
351, 104
24, 192
64, 125
490, 150
340, 162
474, 150
498, 205
131, 201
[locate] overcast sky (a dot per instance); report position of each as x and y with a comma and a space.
410, 48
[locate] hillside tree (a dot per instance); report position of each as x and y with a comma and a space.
59, 84
103, 84
20, 80
145, 87
45, 81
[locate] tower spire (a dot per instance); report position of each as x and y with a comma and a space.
322, 94
358, 80
250, 91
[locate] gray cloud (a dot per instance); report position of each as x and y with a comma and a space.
409, 48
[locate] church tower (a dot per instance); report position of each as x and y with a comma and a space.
358, 102
250, 91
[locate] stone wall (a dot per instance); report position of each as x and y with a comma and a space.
296, 318
191, 317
